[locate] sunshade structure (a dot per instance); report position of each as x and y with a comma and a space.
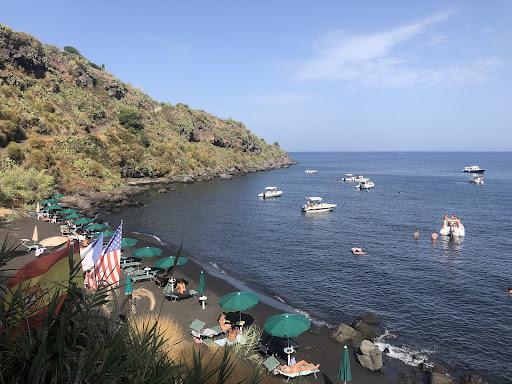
239, 301
53, 241
68, 211
49, 201
344, 373
96, 227
73, 216
57, 196
286, 325
147, 252
54, 207
201, 287
106, 234
128, 289
168, 262
128, 242
83, 221
35, 234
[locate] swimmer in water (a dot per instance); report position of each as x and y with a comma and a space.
416, 234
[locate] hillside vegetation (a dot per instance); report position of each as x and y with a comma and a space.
67, 117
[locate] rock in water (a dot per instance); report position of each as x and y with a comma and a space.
471, 379
440, 378
346, 334
369, 356
406, 378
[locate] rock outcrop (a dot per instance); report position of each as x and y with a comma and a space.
368, 325
369, 356
471, 379
345, 334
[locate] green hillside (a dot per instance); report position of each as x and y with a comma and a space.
68, 117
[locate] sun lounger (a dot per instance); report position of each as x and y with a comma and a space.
130, 264
29, 244
272, 364
224, 341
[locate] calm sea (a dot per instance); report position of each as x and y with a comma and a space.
445, 302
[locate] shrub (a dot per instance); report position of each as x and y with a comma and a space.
73, 50
15, 152
131, 118
20, 186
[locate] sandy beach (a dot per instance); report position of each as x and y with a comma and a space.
315, 346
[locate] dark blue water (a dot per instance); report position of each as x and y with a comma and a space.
445, 301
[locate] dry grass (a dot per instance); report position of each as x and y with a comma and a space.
171, 332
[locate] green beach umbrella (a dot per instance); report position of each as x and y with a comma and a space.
168, 262
83, 220
128, 242
54, 207
344, 372
106, 234
128, 289
96, 227
49, 201
68, 211
238, 301
147, 252
73, 216
57, 196
286, 325
202, 285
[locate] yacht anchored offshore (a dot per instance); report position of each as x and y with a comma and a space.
315, 204
473, 169
270, 192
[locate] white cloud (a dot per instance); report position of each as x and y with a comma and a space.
369, 59
283, 98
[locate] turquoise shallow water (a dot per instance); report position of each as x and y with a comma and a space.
445, 302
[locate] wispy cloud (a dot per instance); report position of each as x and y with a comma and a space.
283, 98
370, 59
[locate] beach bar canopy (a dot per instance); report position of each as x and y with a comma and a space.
147, 252
239, 301
286, 325
168, 262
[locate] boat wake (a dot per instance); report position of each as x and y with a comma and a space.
405, 354
217, 268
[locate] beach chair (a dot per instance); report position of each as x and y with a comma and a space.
64, 230
130, 264
271, 363
29, 244
290, 376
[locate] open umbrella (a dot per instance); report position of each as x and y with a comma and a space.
106, 234
96, 227
83, 220
57, 196
147, 252
286, 325
170, 261
201, 286
68, 211
54, 207
53, 241
238, 301
73, 216
49, 201
128, 242
128, 290
344, 372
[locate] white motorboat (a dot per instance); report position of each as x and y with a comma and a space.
477, 180
359, 178
270, 192
349, 178
452, 227
473, 169
366, 184
315, 204
311, 170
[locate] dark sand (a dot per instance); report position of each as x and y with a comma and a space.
315, 346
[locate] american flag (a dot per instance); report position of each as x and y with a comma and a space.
91, 255
108, 268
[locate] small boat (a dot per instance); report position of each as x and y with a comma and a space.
473, 169
270, 192
315, 204
311, 170
349, 178
359, 178
366, 184
356, 251
477, 180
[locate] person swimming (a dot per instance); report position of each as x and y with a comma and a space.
358, 251
509, 290
434, 236
416, 234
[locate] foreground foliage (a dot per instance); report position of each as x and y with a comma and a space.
83, 343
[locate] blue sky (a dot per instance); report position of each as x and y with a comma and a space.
312, 75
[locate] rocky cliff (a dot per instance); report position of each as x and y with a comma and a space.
61, 113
